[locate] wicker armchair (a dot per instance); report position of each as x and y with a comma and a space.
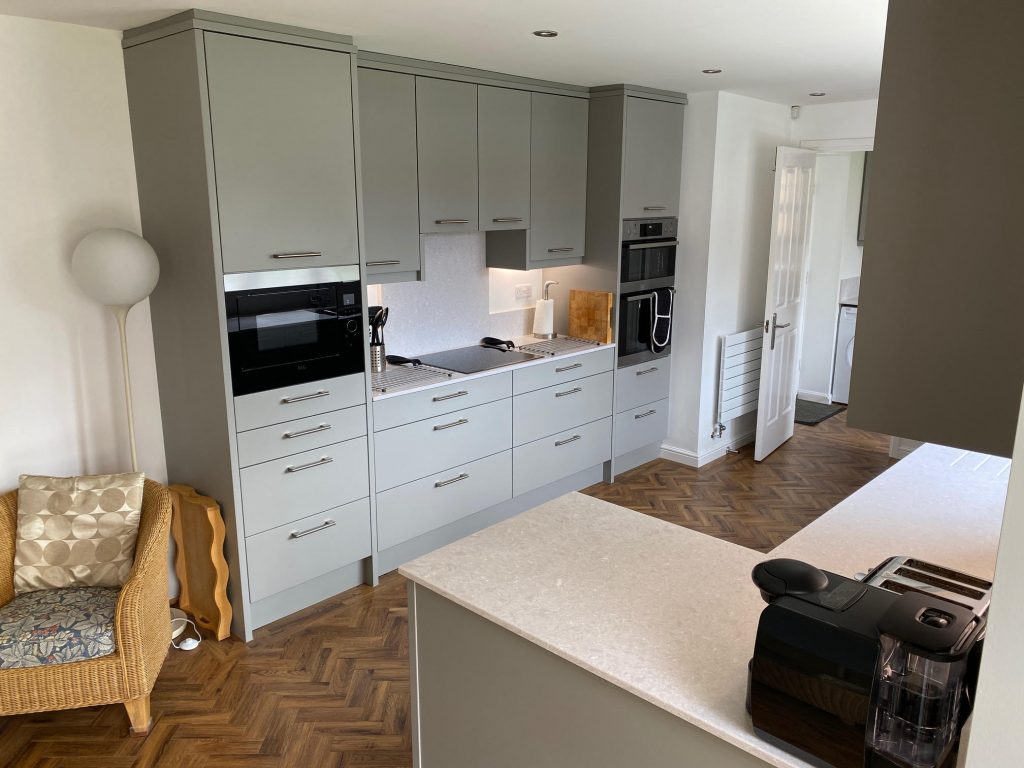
141, 628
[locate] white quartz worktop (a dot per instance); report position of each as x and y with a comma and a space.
669, 614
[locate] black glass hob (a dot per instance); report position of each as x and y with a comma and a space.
476, 359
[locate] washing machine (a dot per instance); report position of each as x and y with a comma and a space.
844, 354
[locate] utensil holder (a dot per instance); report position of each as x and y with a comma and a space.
377, 358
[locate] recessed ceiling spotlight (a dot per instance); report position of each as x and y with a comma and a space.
818, 93
711, 71
546, 33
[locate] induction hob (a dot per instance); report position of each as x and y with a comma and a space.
476, 359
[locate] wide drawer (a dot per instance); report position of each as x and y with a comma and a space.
640, 384
421, 506
436, 401
555, 409
288, 403
273, 442
562, 369
288, 555
280, 491
552, 458
430, 446
641, 426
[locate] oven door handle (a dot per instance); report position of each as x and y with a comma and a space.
659, 244
647, 295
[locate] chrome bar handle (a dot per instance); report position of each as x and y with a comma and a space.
645, 245
507, 220
451, 221
303, 432
644, 415
318, 463
655, 208
443, 483
572, 439
776, 325
565, 368
310, 396
384, 263
459, 423
647, 370
442, 398
569, 392
297, 255
328, 523
561, 250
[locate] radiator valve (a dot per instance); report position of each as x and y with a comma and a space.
719, 430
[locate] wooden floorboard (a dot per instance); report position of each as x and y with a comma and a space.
329, 686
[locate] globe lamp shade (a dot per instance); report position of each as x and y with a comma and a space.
115, 267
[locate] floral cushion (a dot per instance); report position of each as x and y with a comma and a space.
57, 626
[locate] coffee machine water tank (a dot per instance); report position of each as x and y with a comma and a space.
921, 676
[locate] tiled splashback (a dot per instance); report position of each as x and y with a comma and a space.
450, 307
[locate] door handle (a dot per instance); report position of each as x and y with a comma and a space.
459, 423
310, 396
507, 220
775, 326
303, 432
655, 207
318, 463
560, 250
384, 263
456, 479
451, 221
297, 255
565, 368
328, 523
442, 398
569, 392
560, 443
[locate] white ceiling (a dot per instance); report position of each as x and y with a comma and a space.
778, 50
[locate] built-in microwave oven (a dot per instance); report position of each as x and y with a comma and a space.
645, 325
648, 253
293, 326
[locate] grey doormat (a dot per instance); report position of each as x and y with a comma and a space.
811, 413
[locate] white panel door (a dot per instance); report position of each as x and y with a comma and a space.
780, 356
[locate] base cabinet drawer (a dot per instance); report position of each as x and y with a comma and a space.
561, 370
277, 492
289, 555
555, 409
415, 406
552, 458
273, 442
641, 426
412, 451
416, 508
289, 403
643, 383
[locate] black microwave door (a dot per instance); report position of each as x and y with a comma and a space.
634, 325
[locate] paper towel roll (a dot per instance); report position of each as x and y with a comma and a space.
544, 317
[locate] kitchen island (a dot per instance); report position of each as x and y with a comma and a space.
580, 633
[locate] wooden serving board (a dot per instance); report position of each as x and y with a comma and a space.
590, 315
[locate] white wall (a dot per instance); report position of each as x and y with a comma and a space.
841, 120
67, 168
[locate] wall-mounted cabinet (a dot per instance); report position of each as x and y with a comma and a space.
446, 138
503, 118
387, 139
653, 158
284, 158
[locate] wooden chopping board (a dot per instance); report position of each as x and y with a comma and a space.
590, 315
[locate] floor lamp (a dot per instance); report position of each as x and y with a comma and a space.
118, 269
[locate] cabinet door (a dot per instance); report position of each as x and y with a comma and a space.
504, 133
446, 142
653, 158
283, 153
558, 179
387, 138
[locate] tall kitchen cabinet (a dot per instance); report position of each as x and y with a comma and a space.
653, 155
244, 145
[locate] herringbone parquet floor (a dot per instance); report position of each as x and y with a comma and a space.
329, 687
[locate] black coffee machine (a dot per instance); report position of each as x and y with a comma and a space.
846, 674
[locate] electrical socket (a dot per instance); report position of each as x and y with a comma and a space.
524, 291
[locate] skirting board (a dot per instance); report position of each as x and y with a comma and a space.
691, 459
814, 397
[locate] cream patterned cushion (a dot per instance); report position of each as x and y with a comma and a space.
76, 531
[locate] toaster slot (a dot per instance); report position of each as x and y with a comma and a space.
901, 588
947, 573
935, 581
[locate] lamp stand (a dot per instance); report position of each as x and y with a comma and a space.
121, 313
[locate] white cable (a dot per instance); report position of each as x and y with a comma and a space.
189, 643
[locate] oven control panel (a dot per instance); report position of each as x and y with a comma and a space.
643, 229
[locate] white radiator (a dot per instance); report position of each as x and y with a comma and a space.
739, 375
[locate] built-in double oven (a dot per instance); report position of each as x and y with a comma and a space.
646, 289
293, 326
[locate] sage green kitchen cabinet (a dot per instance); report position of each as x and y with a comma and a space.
446, 138
284, 156
387, 139
503, 116
558, 180
653, 157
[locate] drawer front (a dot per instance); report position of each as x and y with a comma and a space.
555, 409
552, 458
288, 555
415, 406
415, 508
288, 403
277, 492
407, 453
561, 370
258, 445
641, 426
640, 384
